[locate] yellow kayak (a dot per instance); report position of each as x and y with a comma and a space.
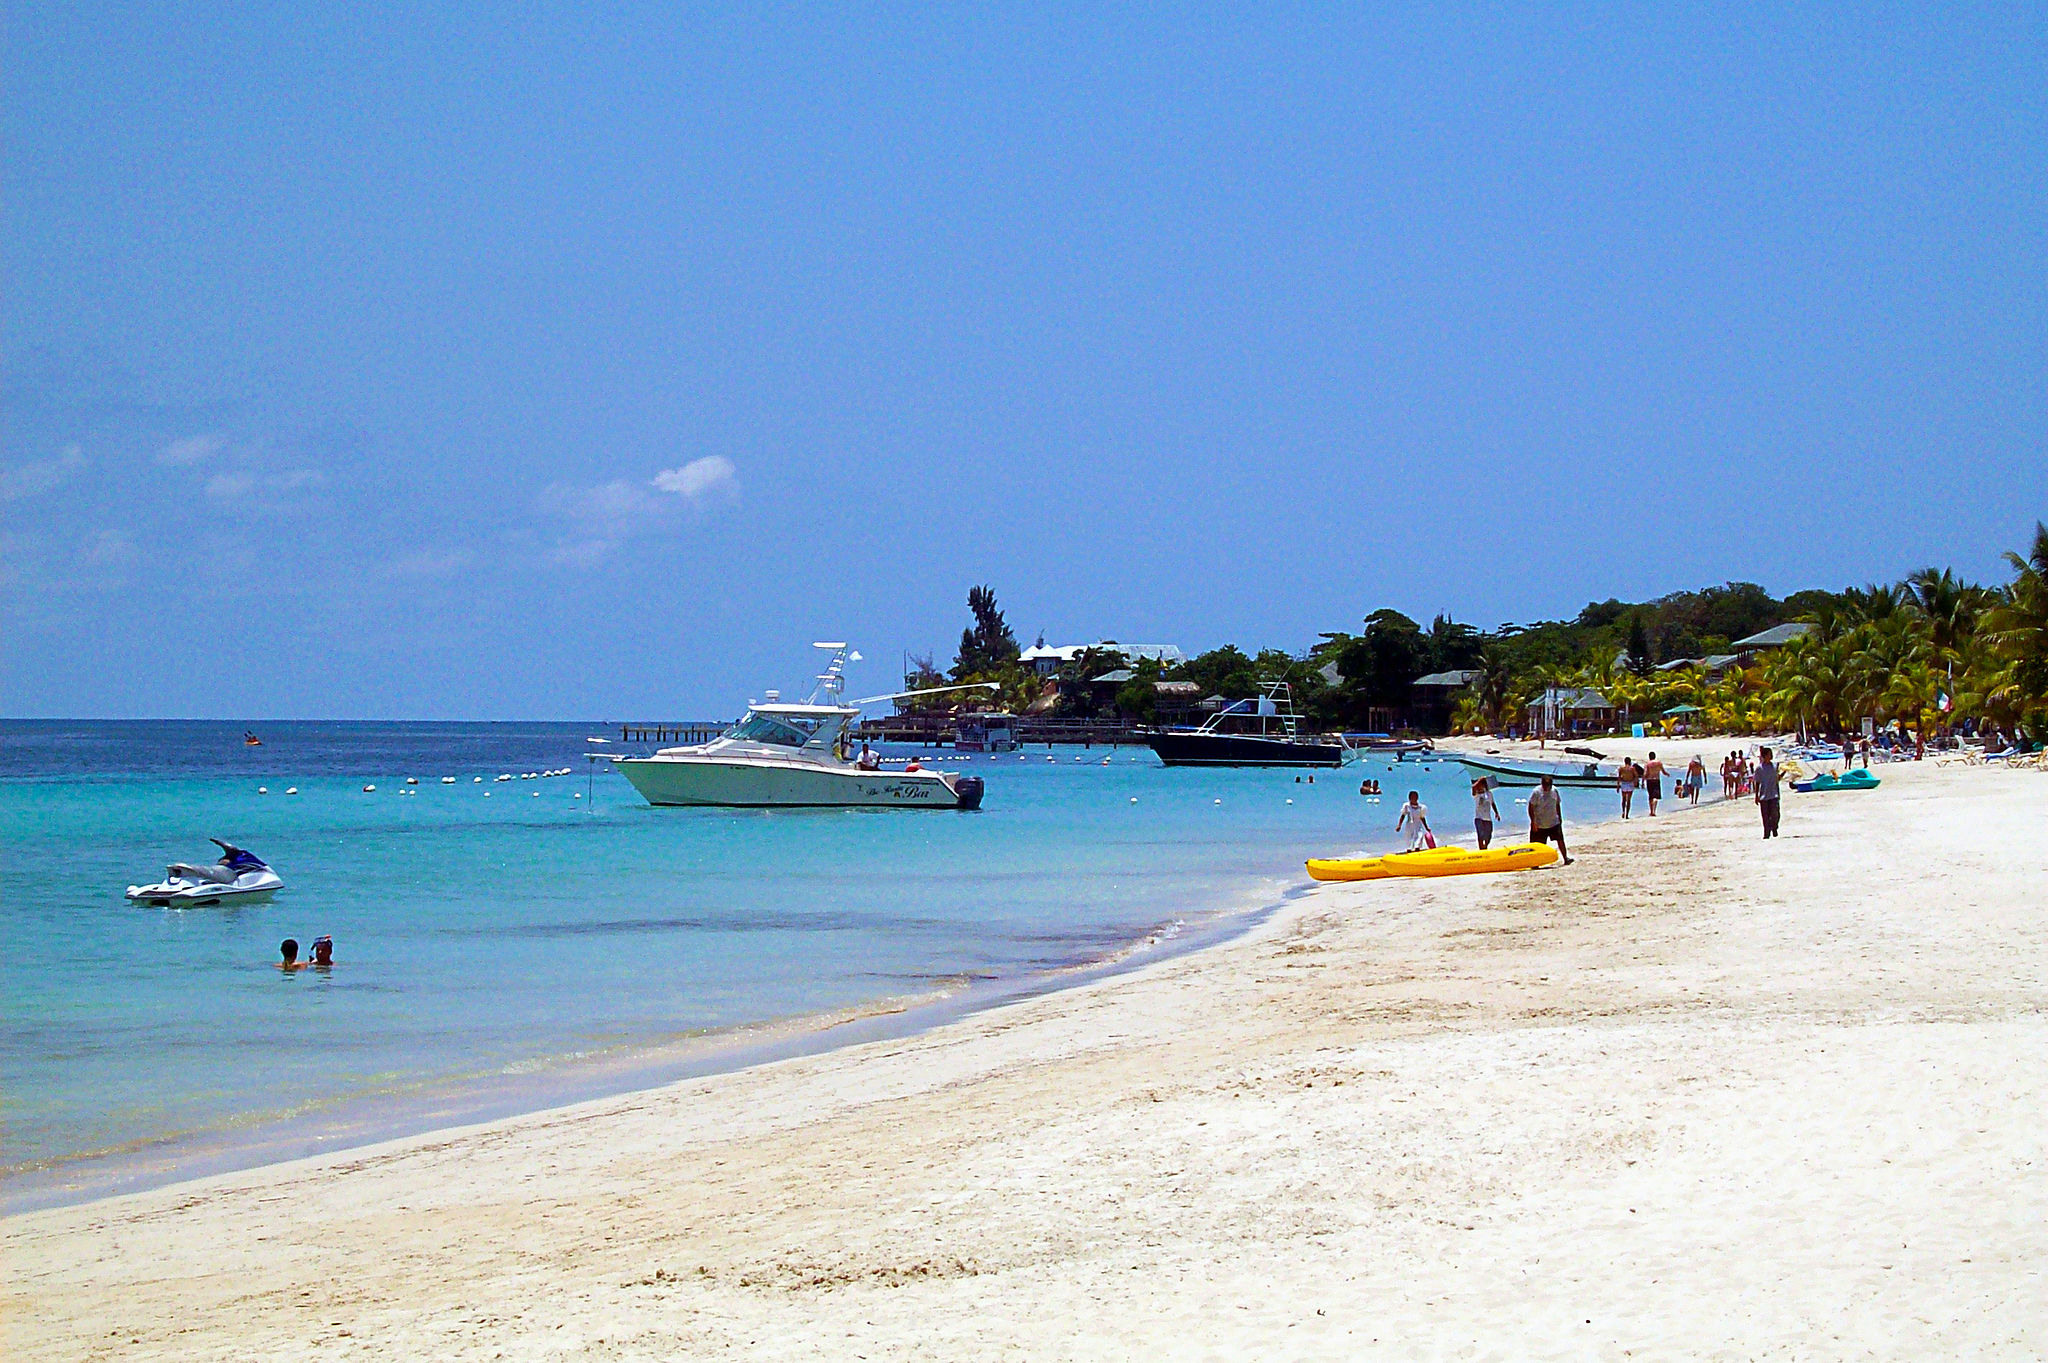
1437, 861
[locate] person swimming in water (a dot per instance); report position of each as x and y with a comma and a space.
322, 956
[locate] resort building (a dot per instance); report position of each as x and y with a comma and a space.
1047, 659
1434, 695
1777, 636
1714, 665
1572, 710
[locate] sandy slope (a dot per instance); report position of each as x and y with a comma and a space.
1698, 1095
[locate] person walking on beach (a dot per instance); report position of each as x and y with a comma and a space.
1695, 777
1625, 782
1546, 818
1484, 813
1415, 819
1653, 782
1766, 787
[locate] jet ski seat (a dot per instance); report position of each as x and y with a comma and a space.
218, 875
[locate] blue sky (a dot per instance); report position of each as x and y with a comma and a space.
370, 361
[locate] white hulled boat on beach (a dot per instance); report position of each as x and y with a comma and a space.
795, 754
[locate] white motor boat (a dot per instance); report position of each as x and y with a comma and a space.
794, 754
238, 875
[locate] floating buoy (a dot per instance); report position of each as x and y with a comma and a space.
263, 790
577, 796
1290, 802
1216, 802
487, 795
536, 795
1134, 799
476, 780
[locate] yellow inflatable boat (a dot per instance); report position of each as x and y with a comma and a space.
1437, 861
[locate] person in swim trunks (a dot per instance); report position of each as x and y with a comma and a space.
1653, 782
1546, 818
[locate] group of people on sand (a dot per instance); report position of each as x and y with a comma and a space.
1648, 776
1737, 774
1546, 817
322, 957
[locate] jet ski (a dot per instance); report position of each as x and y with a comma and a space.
238, 875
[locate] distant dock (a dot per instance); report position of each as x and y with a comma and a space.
938, 730
682, 732
943, 729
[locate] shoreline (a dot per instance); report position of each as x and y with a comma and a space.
1701, 1094
553, 1083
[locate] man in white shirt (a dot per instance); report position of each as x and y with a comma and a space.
1546, 818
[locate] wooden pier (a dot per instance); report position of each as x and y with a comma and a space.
931, 730
940, 730
681, 732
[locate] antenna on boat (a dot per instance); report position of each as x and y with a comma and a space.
832, 681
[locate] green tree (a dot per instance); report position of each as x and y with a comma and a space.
1638, 646
1137, 700
2016, 629
987, 647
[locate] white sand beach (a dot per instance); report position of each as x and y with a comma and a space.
1698, 1095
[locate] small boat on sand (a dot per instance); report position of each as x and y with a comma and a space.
1514, 771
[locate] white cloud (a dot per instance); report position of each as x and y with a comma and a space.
601, 517
234, 487
40, 475
699, 478
429, 563
107, 549
580, 553
191, 450
609, 510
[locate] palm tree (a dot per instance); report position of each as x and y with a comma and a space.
1873, 603
1882, 648
1802, 684
1916, 690
1494, 688
1950, 604
2016, 628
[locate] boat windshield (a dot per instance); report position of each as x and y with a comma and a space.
785, 731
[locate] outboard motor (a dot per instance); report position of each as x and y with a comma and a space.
967, 790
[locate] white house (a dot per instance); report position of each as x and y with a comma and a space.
1046, 659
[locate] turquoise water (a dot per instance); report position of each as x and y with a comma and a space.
511, 929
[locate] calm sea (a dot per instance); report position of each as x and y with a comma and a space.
493, 937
